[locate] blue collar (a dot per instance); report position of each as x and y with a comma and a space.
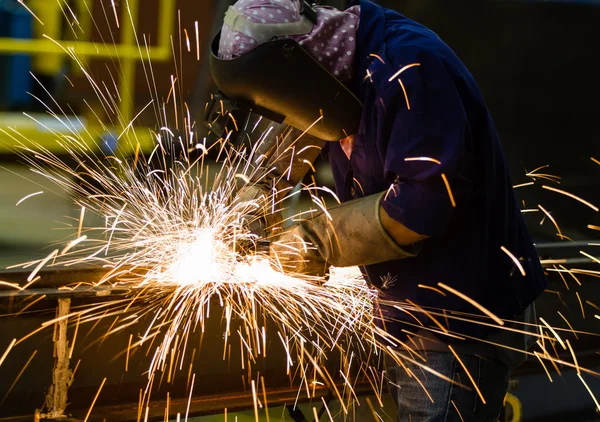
369, 40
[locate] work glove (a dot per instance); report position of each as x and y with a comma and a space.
259, 202
347, 235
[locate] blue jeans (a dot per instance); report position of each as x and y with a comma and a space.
414, 405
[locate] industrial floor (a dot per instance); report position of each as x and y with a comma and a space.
359, 413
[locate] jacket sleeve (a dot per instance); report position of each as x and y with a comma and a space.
424, 121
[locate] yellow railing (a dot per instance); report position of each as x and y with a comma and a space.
127, 51
516, 408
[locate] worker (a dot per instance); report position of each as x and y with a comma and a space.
426, 198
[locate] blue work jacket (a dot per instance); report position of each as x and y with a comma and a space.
427, 138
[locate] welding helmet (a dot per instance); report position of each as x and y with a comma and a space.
282, 82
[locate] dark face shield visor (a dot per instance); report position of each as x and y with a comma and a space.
282, 82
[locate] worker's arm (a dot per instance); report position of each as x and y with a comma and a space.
350, 234
427, 133
402, 235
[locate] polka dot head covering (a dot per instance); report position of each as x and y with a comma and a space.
331, 41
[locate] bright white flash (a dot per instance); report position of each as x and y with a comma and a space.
200, 261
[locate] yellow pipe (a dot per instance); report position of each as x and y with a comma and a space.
84, 16
160, 52
50, 13
129, 19
127, 51
166, 24
83, 49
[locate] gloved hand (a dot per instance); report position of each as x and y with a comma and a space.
258, 203
350, 234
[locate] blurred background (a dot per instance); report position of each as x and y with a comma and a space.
533, 60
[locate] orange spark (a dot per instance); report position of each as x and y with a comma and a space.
377, 57
433, 160
570, 195
399, 357
254, 400
422, 286
553, 261
550, 218
594, 160
408, 66
563, 279
570, 272
457, 411
262, 381
371, 408
570, 326
359, 185
197, 41
29, 10
310, 164
29, 196
574, 356
449, 190
523, 185
173, 79
74, 371
187, 411
404, 310
74, 336
593, 258
390, 189
116, 17
593, 305
18, 377
128, 348
431, 317
187, 40
549, 177
405, 93
589, 391
514, 259
30, 304
580, 304
68, 80
382, 105
41, 264
7, 351
554, 332
81, 215
472, 302
537, 355
468, 374
234, 122
94, 401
